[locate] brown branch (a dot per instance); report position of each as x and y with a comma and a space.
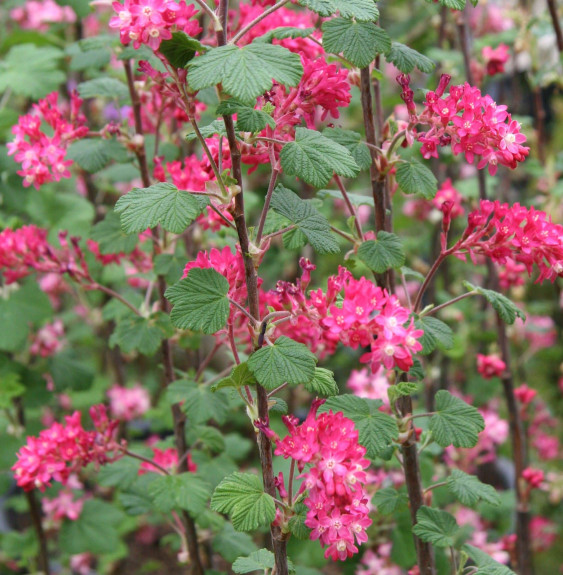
279, 540
413, 481
556, 25
377, 179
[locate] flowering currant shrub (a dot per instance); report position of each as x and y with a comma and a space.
281, 287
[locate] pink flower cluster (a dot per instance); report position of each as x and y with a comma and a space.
246, 13
49, 340
322, 90
526, 235
473, 124
363, 315
533, 477
63, 450
26, 249
167, 458
152, 21
337, 501
490, 366
42, 156
371, 385
128, 403
62, 506
495, 58
38, 14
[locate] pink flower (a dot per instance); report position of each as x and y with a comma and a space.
62, 450
128, 403
373, 386
38, 14
62, 506
524, 394
338, 514
43, 156
490, 366
151, 21
49, 340
495, 59
533, 477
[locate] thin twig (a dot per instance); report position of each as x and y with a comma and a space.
146, 460
349, 205
451, 302
556, 25
267, 200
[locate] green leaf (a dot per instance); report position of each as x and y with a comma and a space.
184, 491
160, 203
239, 377
200, 301
314, 226
246, 72
198, 401
453, 4
257, 561
436, 526
416, 178
485, 563
506, 310
384, 253
352, 141
455, 422
285, 361
365, 10
406, 59
121, 473
94, 531
216, 127
359, 42
469, 490
355, 199
208, 436
231, 544
376, 429
103, 87
111, 238
91, 52
297, 522
389, 500
93, 154
31, 71
69, 371
436, 334
402, 389
248, 119
284, 33
135, 498
322, 383
241, 496
315, 158
10, 388
142, 334
25, 306
180, 49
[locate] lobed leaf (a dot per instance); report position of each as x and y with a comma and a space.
285, 361
507, 310
246, 72
416, 178
160, 203
436, 526
359, 42
455, 422
469, 490
384, 253
315, 158
200, 301
314, 226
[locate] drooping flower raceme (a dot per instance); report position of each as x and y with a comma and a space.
62, 450
152, 21
525, 235
473, 124
43, 156
354, 312
336, 499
